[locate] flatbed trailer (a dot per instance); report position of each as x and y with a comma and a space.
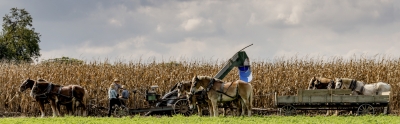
331, 99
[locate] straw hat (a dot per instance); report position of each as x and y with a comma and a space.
123, 86
116, 80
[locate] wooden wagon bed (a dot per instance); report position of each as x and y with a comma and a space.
334, 99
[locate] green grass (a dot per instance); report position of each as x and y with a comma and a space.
208, 120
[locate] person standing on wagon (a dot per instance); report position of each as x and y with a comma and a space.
112, 98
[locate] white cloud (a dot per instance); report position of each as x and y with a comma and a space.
216, 28
191, 24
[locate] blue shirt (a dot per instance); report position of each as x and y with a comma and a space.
125, 94
112, 94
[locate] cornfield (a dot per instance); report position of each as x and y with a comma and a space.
281, 75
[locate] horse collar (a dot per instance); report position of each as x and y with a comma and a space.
353, 85
211, 84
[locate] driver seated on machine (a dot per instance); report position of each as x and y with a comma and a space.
124, 96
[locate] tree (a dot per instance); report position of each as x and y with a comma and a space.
19, 41
63, 60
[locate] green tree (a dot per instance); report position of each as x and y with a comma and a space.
19, 41
63, 60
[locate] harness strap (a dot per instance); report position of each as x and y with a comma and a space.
211, 84
72, 91
59, 90
220, 94
362, 90
353, 85
222, 91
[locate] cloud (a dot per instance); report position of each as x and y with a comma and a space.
214, 29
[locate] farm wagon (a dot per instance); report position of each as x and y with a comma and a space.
331, 99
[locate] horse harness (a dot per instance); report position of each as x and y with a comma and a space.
221, 91
48, 91
353, 86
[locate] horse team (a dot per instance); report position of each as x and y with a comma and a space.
71, 96
357, 87
212, 91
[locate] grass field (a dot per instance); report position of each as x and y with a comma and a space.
208, 120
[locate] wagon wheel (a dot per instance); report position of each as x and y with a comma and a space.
121, 111
365, 109
288, 110
182, 107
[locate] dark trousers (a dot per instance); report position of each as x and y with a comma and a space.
112, 102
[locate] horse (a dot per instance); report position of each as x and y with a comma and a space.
359, 88
200, 99
41, 100
58, 94
321, 83
217, 91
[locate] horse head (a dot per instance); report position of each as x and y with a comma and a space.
183, 87
311, 85
192, 100
194, 86
339, 83
28, 83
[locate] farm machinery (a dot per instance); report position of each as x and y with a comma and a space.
170, 104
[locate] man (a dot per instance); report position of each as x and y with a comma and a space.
124, 96
116, 83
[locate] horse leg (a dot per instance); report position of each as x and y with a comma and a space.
215, 107
53, 108
248, 106
210, 109
41, 106
83, 107
242, 106
58, 107
199, 110
69, 108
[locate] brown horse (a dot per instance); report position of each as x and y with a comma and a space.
218, 92
201, 101
41, 100
58, 94
321, 83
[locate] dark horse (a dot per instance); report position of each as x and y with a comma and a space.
57, 95
28, 84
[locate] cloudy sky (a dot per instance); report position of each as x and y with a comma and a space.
166, 30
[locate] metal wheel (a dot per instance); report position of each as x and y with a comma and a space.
121, 111
365, 109
182, 107
288, 110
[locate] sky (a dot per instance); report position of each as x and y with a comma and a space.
184, 30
